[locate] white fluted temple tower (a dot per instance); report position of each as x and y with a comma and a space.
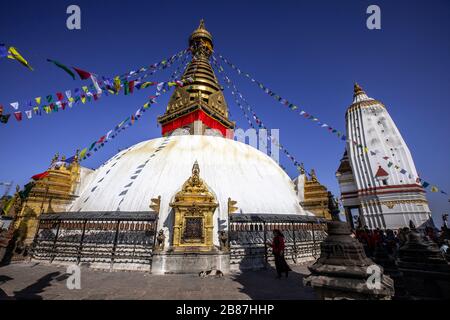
379, 184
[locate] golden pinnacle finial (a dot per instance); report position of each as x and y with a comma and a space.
313, 175
301, 168
195, 168
357, 89
201, 37
202, 24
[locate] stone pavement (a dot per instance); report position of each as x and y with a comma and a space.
41, 281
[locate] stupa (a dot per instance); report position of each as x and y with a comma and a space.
191, 200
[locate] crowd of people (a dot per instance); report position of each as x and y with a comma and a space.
392, 240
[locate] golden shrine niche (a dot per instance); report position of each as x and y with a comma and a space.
194, 208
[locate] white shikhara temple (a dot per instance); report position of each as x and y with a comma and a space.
373, 188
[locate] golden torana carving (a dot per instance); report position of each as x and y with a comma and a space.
194, 208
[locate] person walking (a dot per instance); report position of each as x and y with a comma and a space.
277, 246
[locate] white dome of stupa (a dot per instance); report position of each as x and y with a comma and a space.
159, 167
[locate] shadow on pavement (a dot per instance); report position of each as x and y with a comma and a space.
32, 292
264, 284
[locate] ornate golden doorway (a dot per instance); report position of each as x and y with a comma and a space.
194, 208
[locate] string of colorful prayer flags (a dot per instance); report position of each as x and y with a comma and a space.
161, 88
83, 95
238, 95
311, 117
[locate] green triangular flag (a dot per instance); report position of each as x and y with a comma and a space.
65, 68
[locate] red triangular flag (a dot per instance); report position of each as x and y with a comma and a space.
40, 175
131, 86
83, 74
60, 96
18, 115
102, 139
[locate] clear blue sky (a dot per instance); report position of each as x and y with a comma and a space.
310, 52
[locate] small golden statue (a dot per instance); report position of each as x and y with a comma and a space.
223, 240
313, 175
160, 239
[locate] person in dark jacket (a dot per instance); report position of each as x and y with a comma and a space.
278, 252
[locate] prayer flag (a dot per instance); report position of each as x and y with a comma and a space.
60, 96
65, 68
131, 86
3, 51
95, 83
434, 189
14, 54
425, 184
38, 100
18, 115
15, 105
108, 134
117, 84
83, 74
83, 153
70, 160
4, 118
28, 113
40, 176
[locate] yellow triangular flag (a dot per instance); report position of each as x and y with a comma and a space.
14, 54
83, 153
83, 99
434, 189
38, 100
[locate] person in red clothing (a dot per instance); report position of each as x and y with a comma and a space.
278, 252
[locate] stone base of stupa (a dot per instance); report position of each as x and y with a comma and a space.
190, 262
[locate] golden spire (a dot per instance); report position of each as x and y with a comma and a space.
204, 92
